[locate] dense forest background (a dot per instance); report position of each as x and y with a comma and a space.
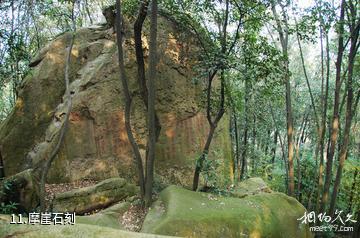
287, 73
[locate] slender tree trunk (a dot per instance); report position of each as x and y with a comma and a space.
204, 154
237, 149
139, 49
2, 172
286, 180
274, 147
151, 104
323, 119
290, 132
297, 156
335, 121
307, 81
212, 124
221, 109
244, 155
319, 128
282, 28
68, 101
273, 152
138, 25
246, 126
253, 145
348, 120
128, 99
266, 149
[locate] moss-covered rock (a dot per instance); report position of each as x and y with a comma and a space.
185, 213
65, 231
250, 186
108, 217
22, 189
101, 195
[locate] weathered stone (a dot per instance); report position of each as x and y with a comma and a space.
22, 189
65, 231
108, 217
250, 186
39, 94
186, 213
96, 145
101, 195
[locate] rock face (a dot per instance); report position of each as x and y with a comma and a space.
23, 189
101, 195
184, 213
96, 144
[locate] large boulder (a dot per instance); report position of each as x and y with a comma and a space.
87, 199
65, 231
186, 213
250, 186
96, 144
21, 189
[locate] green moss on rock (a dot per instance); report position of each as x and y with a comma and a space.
108, 217
90, 198
250, 186
185, 213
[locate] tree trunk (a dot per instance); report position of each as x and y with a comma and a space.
286, 180
290, 132
284, 40
151, 104
140, 59
128, 99
212, 124
246, 126
268, 138
273, 150
253, 145
299, 141
335, 121
307, 80
221, 109
324, 116
203, 156
348, 119
68, 101
297, 156
2, 172
237, 149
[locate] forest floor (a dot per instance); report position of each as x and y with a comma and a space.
133, 218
